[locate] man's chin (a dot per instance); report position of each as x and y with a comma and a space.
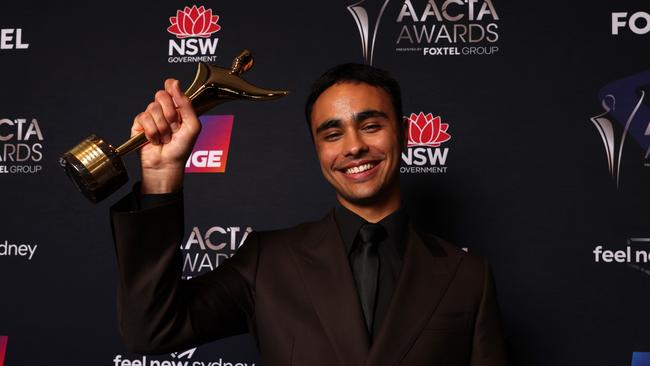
358, 199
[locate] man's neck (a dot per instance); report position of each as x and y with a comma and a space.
376, 211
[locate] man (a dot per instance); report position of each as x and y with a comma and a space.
359, 287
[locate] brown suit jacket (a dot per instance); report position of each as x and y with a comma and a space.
293, 290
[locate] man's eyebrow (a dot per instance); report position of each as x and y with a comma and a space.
370, 113
358, 118
330, 123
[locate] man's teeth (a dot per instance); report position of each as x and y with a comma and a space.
359, 169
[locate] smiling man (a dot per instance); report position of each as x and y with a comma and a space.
358, 287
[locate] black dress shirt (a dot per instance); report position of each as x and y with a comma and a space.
390, 251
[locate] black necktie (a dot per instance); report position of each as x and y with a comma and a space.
366, 269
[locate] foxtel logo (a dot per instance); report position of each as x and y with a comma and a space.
210, 152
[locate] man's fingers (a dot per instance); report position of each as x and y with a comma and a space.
169, 85
145, 120
156, 112
184, 105
168, 109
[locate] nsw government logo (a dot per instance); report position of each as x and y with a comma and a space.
210, 152
21, 146
193, 28
424, 153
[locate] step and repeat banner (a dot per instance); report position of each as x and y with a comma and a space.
529, 144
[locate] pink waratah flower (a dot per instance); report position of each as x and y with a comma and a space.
425, 130
193, 22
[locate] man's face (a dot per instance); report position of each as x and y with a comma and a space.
357, 140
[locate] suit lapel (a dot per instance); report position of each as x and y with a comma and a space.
425, 275
328, 278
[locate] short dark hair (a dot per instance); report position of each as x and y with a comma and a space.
356, 73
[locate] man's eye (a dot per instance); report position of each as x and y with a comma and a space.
371, 127
332, 136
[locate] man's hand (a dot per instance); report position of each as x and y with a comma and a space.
171, 126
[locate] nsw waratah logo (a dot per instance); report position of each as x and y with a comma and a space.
424, 153
194, 22
193, 28
427, 130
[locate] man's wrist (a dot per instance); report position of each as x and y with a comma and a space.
161, 181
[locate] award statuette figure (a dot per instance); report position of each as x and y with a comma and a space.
96, 167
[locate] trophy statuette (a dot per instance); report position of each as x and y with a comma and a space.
96, 167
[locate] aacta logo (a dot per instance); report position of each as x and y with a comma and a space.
3, 349
21, 145
12, 39
448, 28
210, 152
193, 28
205, 250
423, 153
625, 119
368, 16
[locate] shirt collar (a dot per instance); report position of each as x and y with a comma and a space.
349, 224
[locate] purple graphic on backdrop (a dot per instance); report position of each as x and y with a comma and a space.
641, 359
3, 349
625, 102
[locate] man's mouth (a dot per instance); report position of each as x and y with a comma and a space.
360, 168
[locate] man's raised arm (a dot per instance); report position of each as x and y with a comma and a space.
158, 311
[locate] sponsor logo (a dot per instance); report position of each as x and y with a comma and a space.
210, 153
637, 23
3, 349
11, 39
626, 113
204, 250
17, 250
367, 18
21, 145
424, 153
634, 254
193, 29
431, 28
641, 359
175, 359
448, 28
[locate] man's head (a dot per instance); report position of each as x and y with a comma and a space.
355, 116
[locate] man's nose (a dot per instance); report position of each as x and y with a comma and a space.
354, 144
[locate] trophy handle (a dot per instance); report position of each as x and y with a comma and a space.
213, 85
96, 167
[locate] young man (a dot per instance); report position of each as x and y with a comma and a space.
359, 287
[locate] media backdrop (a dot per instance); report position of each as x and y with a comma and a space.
529, 144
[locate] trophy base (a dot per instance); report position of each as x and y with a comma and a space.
95, 168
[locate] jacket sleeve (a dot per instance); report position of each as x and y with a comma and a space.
158, 311
488, 348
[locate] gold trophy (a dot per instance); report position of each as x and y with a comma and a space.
96, 167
